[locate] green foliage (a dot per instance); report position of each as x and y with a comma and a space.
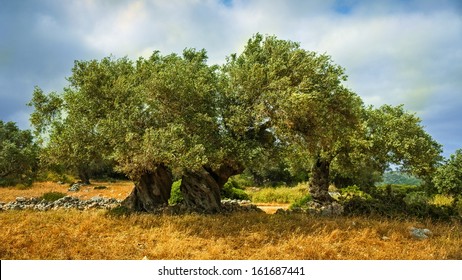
176, 196
119, 212
243, 180
417, 198
294, 95
54, 176
400, 190
275, 109
397, 201
18, 155
52, 196
66, 126
353, 192
448, 177
396, 136
399, 178
278, 194
442, 200
232, 190
301, 202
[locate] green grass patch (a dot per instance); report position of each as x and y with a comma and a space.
52, 196
278, 194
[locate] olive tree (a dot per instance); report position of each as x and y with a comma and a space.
68, 124
169, 128
448, 177
396, 136
298, 96
18, 154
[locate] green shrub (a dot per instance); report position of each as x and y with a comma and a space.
232, 190
176, 196
119, 211
301, 202
242, 180
353, 191
52, 176
52, 196
398, 189
416, 198
458, 205
442, 200
396, 204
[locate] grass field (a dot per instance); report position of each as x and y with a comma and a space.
117, 189
92, 234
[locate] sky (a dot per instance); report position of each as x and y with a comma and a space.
394, 52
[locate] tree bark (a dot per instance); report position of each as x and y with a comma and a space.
84, 176
319, 181
201, 189
152, 190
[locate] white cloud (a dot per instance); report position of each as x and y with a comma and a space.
394, 51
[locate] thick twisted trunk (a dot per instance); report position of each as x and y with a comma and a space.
84, 176
319, 181
201, 189
152, 190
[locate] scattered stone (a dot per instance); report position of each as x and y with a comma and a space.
316, 209
20, 199
66, 202
420, 233
75, 187
385, 238
60, 183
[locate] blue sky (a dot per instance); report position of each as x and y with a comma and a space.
395, 52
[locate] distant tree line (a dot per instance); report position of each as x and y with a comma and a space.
273, 110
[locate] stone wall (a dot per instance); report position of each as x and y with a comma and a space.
67, 202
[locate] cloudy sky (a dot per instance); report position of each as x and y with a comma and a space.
396, 52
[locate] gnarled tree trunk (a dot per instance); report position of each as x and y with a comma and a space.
201, 189
319, 181
152, 190
84, 176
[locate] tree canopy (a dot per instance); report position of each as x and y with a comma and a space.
175, 116
18, 154
448, 177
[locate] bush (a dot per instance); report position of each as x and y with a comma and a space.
398, 204
301, 202
398, 189
119, 211
52, 196
352, 192
53, 176
176, 196
442, 200
416, 198
232, 190
18, 155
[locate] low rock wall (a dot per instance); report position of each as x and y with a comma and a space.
67, 202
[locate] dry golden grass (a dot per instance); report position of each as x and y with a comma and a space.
72, 234
118, 189
92, 234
